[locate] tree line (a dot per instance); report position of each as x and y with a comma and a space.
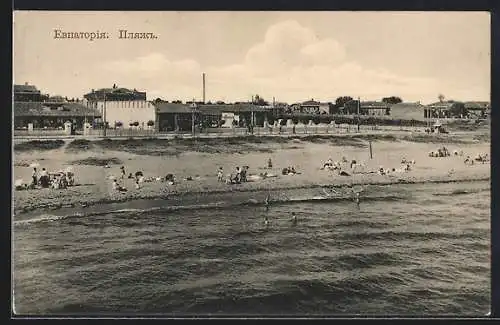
259, 100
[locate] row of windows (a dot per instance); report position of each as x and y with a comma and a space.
128, 104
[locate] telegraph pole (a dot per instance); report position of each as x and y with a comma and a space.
104, 113
203, 87
193, 107
359, 103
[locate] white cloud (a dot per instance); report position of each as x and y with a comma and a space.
291, 63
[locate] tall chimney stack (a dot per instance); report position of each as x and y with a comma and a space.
203, 87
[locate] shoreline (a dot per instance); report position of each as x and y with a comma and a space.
131, 198
157, 158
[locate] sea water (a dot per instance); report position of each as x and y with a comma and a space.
418, 249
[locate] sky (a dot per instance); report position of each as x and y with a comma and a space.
291, 56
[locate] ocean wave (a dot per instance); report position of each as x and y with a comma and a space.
205, 206
462, 192
407, 235
237, 190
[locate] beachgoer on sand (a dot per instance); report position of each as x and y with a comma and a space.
137, 185
238, 175
220, 174
44, 178
328, 164
122, 168
34, 176
269, 163
117, 186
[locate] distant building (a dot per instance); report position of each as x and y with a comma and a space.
26, 93
308, 107
365, 108
408, 111
123, 106
478, 108
178, 117
52, 115
45, 112
445, 109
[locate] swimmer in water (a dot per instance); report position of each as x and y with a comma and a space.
356, 199
294, 219
266, 221
267, 201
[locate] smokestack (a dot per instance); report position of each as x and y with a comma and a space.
203, 87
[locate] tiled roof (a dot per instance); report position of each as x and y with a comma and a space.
477, 105
443, 105
367, 104
311, 102
173, 108
43, 109
25, 88
210, 108
410, 106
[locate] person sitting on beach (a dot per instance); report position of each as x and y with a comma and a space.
269, 163
289, 171
243, 174
63, 183
237, 177
54, 184
34, 176
220, 174
44, 178
70, 179
137, 185
138, 174
170, 179
117, 187
353, 163
130, 176
343, 173
19, 185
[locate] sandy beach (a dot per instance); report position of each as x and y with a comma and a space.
307, 155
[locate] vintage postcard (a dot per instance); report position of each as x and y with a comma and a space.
251, 163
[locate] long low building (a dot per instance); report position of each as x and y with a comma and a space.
365, 108
179, 117
52, 114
